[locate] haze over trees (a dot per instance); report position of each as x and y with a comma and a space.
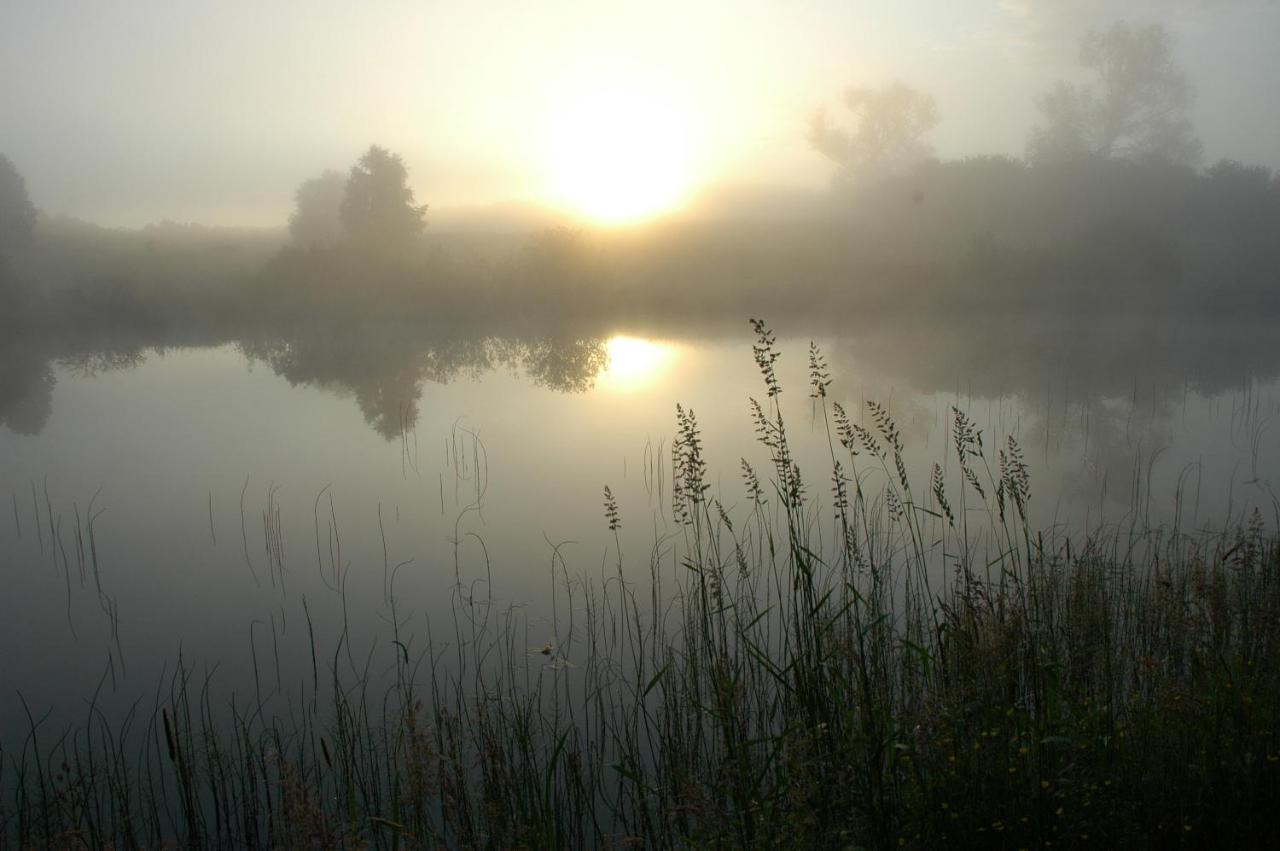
378, 211
17, 213
317, 221
17, 224
1135, 108
887, 136
1105, 212
371, 209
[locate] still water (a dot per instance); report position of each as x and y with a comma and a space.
190, 499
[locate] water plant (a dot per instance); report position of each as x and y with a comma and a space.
828, 662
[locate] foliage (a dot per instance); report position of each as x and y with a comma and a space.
15, 296
889, 125
1094, 233
317, 219
378, 210
1136, 108
891, 666
17, 214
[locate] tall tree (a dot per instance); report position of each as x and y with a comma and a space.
378, 210
887, 135
1136, 108
17, 215
317, 218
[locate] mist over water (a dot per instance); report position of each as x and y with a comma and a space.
313, 392
227, 474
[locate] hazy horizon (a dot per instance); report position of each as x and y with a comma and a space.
117, 118
349, 361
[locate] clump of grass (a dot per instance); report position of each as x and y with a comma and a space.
874, 668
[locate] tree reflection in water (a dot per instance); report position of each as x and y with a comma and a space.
385, 365
385, 369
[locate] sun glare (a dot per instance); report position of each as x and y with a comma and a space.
634, 364
620, 154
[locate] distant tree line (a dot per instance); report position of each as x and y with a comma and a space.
372, 208
1108, 208
1135, 107
17, 224
1108, 203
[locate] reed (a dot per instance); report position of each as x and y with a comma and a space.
824, 664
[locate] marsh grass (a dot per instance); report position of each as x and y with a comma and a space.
823, 664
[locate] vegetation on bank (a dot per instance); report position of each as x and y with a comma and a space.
1109, 209
1088, 236
835, 660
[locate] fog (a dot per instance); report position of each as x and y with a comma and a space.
140, 112
1052, 166
942, 185
349, 361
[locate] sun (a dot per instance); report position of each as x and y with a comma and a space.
619, 153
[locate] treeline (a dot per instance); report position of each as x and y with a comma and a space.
1110, 211
1092, 234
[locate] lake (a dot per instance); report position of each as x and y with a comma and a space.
227, 500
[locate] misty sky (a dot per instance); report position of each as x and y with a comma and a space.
128, 112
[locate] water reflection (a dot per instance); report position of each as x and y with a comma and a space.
634, 363
28, 376
1061, 367
1110, 392
211, 474
26, 388
988, 356
385, 369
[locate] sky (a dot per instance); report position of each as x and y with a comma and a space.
129, 112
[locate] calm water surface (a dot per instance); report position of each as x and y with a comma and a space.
229, 483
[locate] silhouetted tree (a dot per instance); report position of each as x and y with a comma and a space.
17, 215
317, 220
377, 209
1238, 179
887, 135
13, 296
1136, 109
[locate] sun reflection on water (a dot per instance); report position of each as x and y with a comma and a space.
635, 364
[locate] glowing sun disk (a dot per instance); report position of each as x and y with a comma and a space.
619, 155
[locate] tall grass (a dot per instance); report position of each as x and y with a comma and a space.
825, 664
